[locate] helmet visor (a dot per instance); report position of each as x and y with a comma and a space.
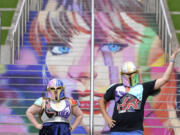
130, 80
56, 93
126, 80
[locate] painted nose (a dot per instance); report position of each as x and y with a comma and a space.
82, 68
80, 72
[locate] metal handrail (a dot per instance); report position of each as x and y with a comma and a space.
158, 7
165, 17
17, 29
167, 28
0, 37
20, 26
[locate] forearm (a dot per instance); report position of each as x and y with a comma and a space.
168, 71
167, 74
32, 118
76, 122
102, 105
76, 111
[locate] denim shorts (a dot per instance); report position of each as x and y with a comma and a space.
136, 132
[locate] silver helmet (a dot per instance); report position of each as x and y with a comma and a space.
129, 74
55, 89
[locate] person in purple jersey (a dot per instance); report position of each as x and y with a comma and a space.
130, 97
55, 111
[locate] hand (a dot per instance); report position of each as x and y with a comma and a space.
70, 128
173, 119
39, 126
110, 122
175, 52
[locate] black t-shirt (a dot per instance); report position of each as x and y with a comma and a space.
129, 105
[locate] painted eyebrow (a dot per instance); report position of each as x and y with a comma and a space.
116, 43
58, 44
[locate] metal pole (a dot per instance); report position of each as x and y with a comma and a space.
13, 51
170, 47
0, 28
92, 71
159, 21
0, 37
162, 33
145, 5
18, 41
154, 7
25, 17
22, 29
157, 11
28, 9
166, 44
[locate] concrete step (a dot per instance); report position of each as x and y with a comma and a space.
35, 87
69, 63
45, 47
75, 54
150, 24
89, 12
36, 67
70, 60
154, 27
36, 77
87, 15
33, 73
141, 15
28, 42
22, 109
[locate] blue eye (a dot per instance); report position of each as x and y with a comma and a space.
112, 47
62, 49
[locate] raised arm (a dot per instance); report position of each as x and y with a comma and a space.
31, 112
166, 76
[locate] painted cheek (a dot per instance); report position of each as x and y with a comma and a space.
81, 63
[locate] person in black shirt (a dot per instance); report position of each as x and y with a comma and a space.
130, 97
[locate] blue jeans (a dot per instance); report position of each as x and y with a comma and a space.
136, 132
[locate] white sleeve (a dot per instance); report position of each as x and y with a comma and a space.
38, 101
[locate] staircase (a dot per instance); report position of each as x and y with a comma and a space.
57, 44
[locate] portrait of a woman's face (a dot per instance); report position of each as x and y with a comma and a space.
59, 41
67, 34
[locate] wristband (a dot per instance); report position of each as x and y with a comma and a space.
172, 60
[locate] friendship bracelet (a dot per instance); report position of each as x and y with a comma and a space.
172, 60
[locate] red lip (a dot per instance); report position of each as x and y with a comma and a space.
85, 105
88, 93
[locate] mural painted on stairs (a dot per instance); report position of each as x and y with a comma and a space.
58, 44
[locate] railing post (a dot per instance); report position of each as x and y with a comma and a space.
20, 26
161, 20
13, 51
145, 5
166, 44
0, 37
18, 41
28, 9
0, 28
157, 10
